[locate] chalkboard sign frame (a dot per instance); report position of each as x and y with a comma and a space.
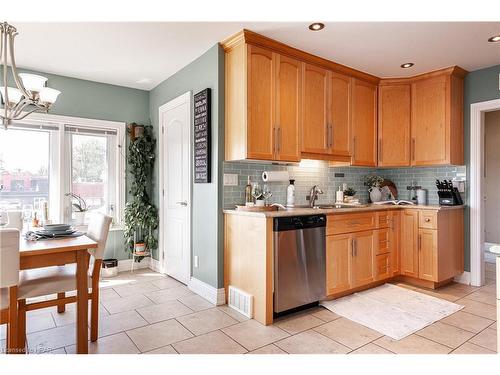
202, 137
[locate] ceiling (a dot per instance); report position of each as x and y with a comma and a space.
141, 55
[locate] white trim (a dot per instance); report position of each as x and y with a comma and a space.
210, 293
477, 111
184, 98
126, 265
463, 278
154, 265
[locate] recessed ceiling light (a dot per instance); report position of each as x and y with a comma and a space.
316, 26
494, 39
407, 65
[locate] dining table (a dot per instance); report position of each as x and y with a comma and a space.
57, 252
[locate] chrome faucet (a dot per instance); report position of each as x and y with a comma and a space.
313, 195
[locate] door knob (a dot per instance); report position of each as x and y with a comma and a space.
183, 203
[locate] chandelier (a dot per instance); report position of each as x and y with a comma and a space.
30, 94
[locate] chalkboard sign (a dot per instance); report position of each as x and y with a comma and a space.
202, 137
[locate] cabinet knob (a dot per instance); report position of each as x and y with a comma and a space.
427, 220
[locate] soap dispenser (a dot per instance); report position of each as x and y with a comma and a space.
290, 194
339, 197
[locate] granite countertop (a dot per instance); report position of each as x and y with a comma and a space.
301, 211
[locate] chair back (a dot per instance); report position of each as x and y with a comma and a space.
98, 231
15, 220
9, 257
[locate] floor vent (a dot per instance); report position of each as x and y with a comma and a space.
240, 301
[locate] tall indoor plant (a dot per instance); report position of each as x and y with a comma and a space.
141, 216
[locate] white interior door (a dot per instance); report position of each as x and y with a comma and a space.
175, 197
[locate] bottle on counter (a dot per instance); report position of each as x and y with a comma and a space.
290, 194
248, 193
339, 196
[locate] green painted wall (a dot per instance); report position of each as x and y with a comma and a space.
206, 204
94, 100
479, 86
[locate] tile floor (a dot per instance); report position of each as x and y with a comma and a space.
146, 312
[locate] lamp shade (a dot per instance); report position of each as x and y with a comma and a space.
33, 82
48, 95
14, 94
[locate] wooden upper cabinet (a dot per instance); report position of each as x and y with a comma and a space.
315, 130
437, 119
288, 108
364, 123
409, 242
394, 132
339, 114
261, 100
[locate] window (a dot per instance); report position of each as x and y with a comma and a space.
46, 156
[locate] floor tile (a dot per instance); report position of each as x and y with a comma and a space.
195, 302
214, 342
34, 323
469, 348
58, 351
164, 311
107, 294
348, 333
159, 334
205, 321
445, 334
114, 344
298, 323
233, 313
311, 342
268, 349
134, 289
165, 295
163, 350
109, 325
468, 322
45, 341
487, 339
371, 349
69, 316
252, 335
412, 344
326, 315
478, 308
166, 283
118, 305
483, 296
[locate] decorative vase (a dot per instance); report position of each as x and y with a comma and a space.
375, 194
79, 217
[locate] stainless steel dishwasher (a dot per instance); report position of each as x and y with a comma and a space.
299, 261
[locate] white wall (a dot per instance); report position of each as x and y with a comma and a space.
492, 179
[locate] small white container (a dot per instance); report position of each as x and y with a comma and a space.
109, 268
421, 197
290, 194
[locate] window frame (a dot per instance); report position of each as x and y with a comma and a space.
60, 171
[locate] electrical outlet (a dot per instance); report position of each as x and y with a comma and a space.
196, 261
230, 179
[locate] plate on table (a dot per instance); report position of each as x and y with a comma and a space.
56, 232
56, 227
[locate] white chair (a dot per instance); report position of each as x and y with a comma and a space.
61, 279
9, 279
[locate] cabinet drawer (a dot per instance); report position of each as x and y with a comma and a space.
384, 219
383, 266
348, 223
427, 219
383, 242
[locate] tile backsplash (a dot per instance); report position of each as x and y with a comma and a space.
313, 172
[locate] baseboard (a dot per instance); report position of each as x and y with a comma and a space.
210, 293
463, 278
154, 265
126, 264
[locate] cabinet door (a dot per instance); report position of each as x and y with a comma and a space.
314, 120
427, 259
338, 254
394, 125
260, 81
428, 121
395, 242
408, 243
364, 123
339, 114
363, 258
288, 108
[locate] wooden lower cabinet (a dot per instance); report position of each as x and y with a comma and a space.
338, 260
383, 269
409, 243
363, 254
427, 254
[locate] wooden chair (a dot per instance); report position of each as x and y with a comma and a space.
62, 279
9, 279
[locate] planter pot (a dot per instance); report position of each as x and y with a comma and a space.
375, 194
79, 218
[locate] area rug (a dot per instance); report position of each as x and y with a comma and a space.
392, 310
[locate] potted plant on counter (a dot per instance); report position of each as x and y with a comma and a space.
349, 194
373, 182
79, 208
